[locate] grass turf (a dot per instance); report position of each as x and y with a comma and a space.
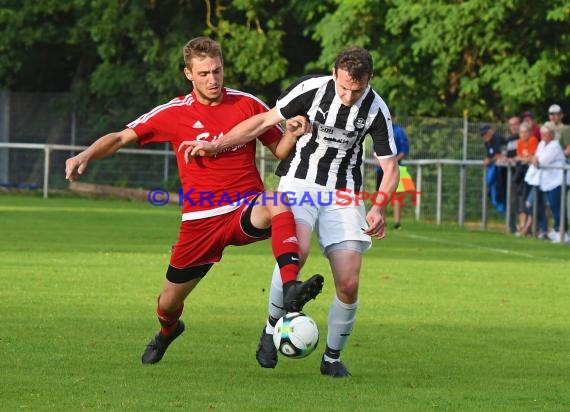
449, 319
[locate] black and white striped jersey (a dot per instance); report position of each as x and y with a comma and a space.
332, 154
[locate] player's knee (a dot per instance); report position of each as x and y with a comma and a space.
348, 287
169, 301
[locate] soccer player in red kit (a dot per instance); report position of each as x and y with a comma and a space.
224, 202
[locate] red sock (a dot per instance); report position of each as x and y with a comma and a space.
168, 321
285, 245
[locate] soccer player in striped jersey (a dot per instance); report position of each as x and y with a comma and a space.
220, 206
343, 109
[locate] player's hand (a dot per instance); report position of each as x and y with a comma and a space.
74, 167
298, 125
375, 220
194, 148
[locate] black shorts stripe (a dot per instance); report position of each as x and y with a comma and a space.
246, 224
176, 275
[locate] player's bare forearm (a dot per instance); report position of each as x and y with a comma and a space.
240, 134
294, 128
391, 175
284, 146
103, 147
248, 130
375, 216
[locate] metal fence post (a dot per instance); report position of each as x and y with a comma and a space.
484, 201
562, 228
439, 190
419, 189
508, 201
166, 163
4, 136
47, 158
462, 182
463, 173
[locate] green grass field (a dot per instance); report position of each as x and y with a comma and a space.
449, 319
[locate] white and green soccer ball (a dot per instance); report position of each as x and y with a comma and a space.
296, 335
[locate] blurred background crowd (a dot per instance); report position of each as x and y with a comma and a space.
526, 176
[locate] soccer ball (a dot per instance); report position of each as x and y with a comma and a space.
296, 335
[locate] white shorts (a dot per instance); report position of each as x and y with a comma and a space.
333, 219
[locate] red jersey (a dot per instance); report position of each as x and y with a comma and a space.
211, 185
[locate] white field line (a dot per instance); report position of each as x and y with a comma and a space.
486, 248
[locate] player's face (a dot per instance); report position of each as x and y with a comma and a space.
348, 89
207, 77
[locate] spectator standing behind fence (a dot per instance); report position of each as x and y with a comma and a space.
403, 148
528, 117
562, 134
512, 140
555, 115
562, 131
526, 148
496, 177
511, 162
549, 154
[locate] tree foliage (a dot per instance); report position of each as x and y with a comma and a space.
492, 57
432, 57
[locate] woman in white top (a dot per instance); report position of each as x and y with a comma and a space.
549, 154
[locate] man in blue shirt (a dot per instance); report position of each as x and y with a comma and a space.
496, 177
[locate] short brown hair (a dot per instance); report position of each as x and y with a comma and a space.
356, 60
201, 47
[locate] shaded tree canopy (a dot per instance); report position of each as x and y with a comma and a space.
432, 58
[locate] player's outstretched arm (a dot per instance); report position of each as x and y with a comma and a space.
241, 134
103, 147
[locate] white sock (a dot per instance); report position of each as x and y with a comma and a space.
331, 360
341, 321
275, 299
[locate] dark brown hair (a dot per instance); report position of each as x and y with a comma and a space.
356, 60
201, 47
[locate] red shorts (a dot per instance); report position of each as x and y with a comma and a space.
203, 241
